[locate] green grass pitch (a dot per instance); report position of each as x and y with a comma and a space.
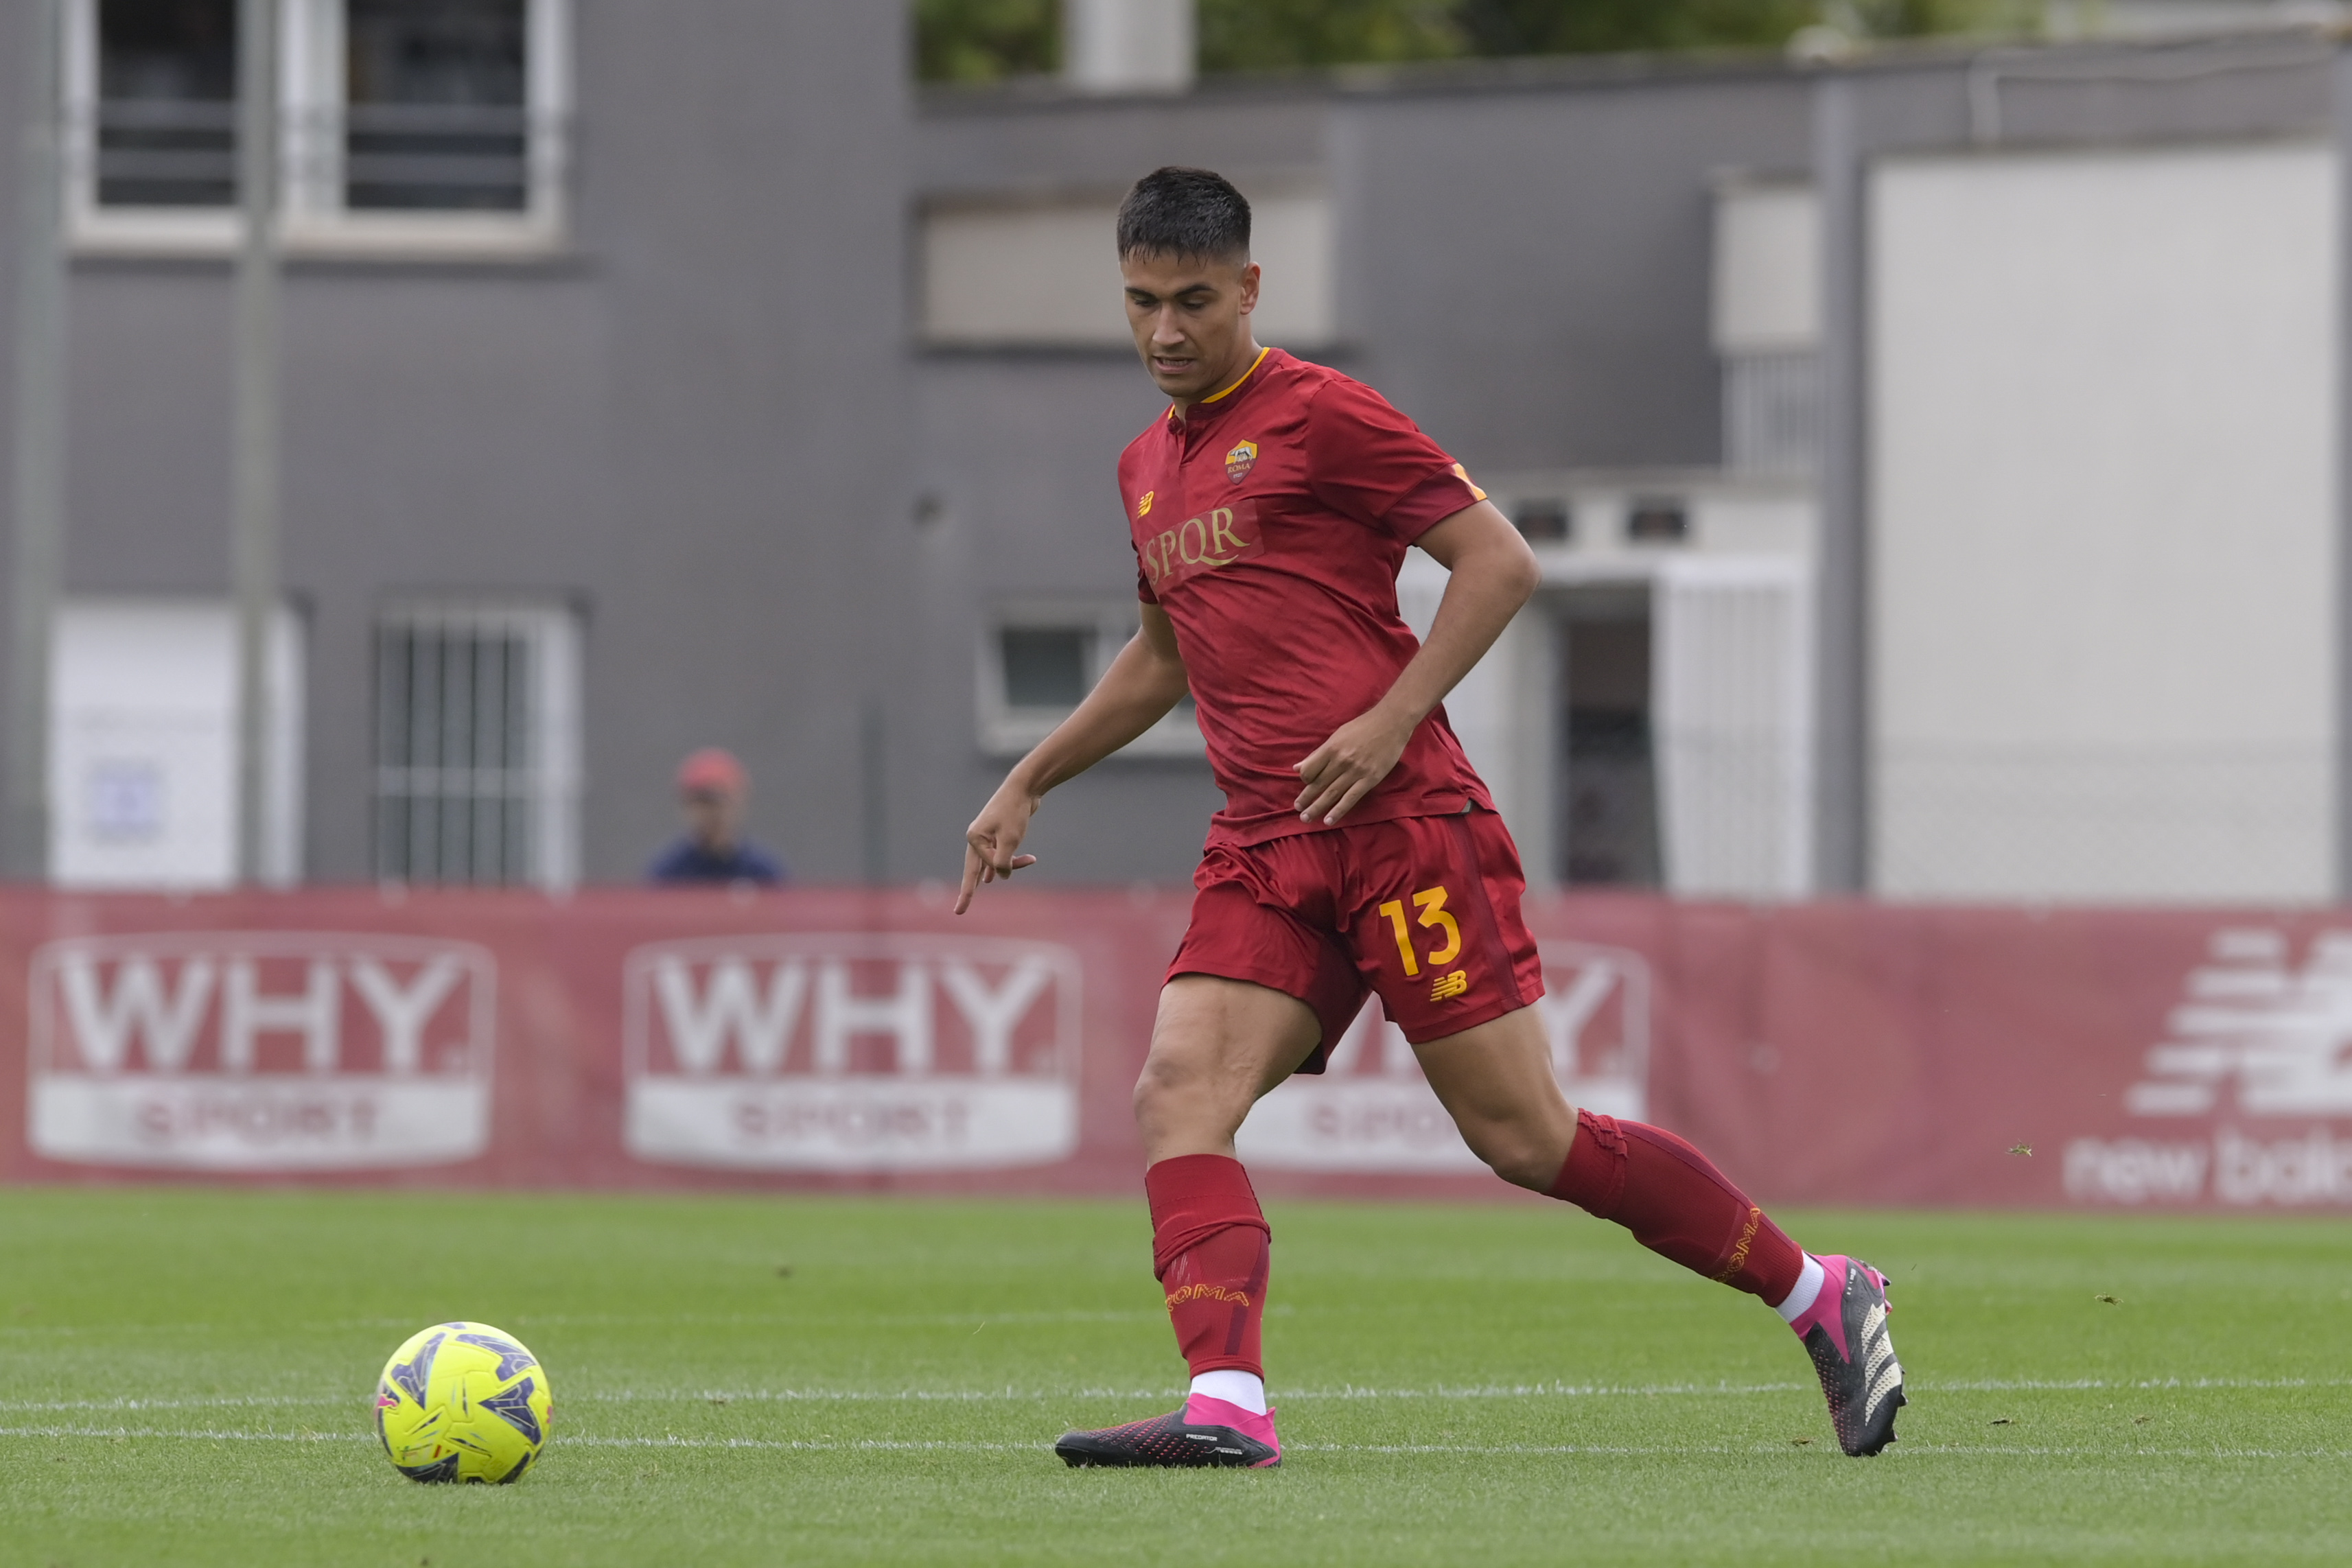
186, 1377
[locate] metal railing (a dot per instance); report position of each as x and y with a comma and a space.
1772, 412
456, 780
396, 158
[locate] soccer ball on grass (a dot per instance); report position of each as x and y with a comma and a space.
462, 1401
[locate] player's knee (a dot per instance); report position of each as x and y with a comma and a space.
1521, 1153
1165, 1083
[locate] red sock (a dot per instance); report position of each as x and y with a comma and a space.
1677, 1205
1209, 1247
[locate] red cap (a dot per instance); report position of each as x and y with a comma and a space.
712, 771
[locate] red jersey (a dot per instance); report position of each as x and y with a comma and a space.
1270, 523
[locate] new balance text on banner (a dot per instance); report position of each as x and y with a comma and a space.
849, 1038
2259, 1038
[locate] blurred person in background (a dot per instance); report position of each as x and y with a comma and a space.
712, 792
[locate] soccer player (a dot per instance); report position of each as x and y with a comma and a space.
1269, 510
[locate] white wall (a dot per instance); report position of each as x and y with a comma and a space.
1047, 273
1503, 714
2102, 521
1129, 45
1766, 278
1731, 724
143, 752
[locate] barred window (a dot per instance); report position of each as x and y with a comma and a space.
477, 745
437, 108
165, 132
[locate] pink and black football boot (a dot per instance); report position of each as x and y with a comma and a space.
1206, 1432
1844, 1331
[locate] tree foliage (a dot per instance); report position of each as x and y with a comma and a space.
1590, 26
1275, 35
982, 40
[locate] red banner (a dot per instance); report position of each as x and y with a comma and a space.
1835, 1052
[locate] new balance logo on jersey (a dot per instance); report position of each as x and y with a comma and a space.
1449, 987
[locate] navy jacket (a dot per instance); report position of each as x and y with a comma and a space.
687, 863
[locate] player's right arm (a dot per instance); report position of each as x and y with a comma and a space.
1143, 684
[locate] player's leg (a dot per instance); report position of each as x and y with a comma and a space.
1483, 1047
1252, 994
1496, 1081
1217, 1045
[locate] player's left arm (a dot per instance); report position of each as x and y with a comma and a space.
1494, 574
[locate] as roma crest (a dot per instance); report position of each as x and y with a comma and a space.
1240, 461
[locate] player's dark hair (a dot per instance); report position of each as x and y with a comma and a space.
1190, 212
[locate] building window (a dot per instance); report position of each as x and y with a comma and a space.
1046, 667
1607, 828
436, 106
1038, 661
165, 104
477, 745
1546, 521
429, 125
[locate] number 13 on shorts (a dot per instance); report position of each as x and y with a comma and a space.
1431, 903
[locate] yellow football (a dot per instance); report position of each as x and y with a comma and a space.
462, 1401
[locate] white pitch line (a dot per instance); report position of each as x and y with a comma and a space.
879, 1444
1482, 1391
225, 1402
572, 1440
531, 1323
206, 1435
1022, 1396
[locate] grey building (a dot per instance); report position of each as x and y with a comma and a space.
594, 355
668, 376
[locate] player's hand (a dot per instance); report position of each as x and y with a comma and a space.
1347, 766
991, 842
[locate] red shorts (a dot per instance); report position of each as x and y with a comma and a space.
1424, 910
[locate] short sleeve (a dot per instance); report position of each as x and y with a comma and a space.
1127, 488
1369, 462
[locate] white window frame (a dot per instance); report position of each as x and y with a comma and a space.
553, 635
1009, 731
312, 219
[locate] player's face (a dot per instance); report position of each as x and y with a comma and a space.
1190, 319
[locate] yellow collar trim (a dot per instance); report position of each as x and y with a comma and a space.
1246, 375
